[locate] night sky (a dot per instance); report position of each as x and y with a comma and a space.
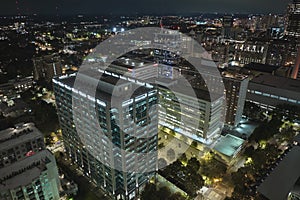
140, 6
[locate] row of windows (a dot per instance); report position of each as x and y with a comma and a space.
274, 96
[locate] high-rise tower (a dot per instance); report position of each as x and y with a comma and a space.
120, 155
293, 19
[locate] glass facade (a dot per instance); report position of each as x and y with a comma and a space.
181, 115
122, 163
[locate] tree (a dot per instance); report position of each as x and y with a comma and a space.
287, 110
49, 140
259, 158
288, 134
176, 196
193, 164
249, 151
266, 130
194, 181
252, 111
194, 144
183, 157
213, 168
185, 177
149, 192
163, 193
272, 152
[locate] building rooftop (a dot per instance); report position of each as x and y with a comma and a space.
183, 86
277, 82
23, 172
296, 188
229, 145
234, 76
130, 63
283, 178
18, 105
106, 86
21, 133
261, 67
180, 88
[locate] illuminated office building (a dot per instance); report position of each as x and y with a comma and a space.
234, 90
167, 78
168, 39
251, 51
130, 124
202, 117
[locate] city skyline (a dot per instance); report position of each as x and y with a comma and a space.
127, 101
68, 7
